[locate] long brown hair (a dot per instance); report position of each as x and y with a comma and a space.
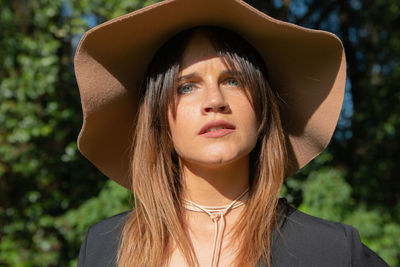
157, 220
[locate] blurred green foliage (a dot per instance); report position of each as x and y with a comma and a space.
50, 194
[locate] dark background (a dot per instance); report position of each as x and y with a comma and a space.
50, 194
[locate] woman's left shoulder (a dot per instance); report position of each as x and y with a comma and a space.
305, 240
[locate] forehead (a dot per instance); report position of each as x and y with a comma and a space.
199, 48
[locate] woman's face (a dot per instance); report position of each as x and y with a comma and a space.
215, 123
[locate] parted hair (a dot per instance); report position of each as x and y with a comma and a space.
156, 225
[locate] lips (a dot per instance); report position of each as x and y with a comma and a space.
216, 128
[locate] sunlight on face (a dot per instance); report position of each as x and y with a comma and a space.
215, 123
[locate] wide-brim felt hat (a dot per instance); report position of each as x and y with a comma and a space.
307, 67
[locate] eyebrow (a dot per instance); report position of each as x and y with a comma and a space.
187, 77
194, 74
232, 73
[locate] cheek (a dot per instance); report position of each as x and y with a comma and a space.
180, 126
247, 117
252, 131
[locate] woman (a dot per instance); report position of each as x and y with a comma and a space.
212, 140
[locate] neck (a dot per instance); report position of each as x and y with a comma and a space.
215, 185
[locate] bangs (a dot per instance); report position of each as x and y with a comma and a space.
242, 57
239, 56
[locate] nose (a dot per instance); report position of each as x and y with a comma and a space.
214, 100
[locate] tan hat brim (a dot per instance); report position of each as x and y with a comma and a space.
306, 66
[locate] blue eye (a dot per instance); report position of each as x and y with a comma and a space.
232, 82
185, 88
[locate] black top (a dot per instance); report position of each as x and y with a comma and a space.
303, 241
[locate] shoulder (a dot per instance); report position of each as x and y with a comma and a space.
305, 240
110, 225
102, 241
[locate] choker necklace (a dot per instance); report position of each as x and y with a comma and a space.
216, 213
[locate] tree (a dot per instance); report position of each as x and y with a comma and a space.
50, 194
363, 153
42, 173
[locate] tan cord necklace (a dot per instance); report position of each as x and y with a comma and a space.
215, 214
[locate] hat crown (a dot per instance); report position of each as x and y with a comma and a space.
307, 67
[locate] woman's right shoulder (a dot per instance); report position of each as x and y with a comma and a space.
101, 242
114, 223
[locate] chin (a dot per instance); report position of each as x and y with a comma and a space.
217, 160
